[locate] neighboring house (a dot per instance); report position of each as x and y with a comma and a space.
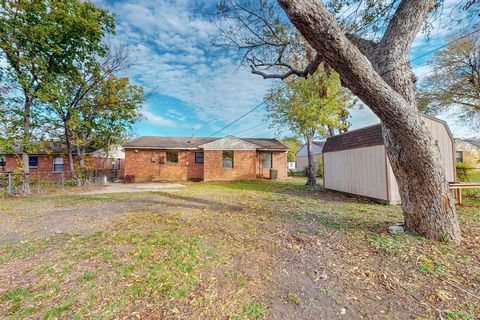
468, 150
153, 158
47, 163
50, 162
302, 154
356, 162
114, 161
292, 165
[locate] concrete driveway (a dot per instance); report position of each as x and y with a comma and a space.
135, 187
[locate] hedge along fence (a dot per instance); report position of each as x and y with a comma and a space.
466, 172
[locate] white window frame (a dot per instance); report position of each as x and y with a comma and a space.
55, 163
223, 159
270, 166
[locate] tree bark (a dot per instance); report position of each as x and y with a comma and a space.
68, 142
312, 172
385, 82
26, 190
331, 131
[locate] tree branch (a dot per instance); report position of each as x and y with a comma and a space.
404, 26
365, 46
309, 69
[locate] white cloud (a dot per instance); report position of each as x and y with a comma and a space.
173, 56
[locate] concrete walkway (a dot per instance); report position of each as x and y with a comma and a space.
135, 187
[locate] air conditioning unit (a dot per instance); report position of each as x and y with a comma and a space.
273, 174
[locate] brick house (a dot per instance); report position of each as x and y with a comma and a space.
468, 151
151, 158
51, 162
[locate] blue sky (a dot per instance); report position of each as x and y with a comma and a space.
197, 86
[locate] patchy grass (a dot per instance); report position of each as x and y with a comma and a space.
237, 250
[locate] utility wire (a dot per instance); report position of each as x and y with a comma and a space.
388, 71
264, 101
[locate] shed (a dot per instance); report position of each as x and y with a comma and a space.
356, 162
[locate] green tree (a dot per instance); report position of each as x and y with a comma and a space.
74, 103
293, 145
455, 81
42, 40
309, 107
108, 119
368, 44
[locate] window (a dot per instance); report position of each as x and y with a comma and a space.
119, 164
459, 156
172, 157
3, 162
267, 160
58, 164
198, 157
227, 159
33, 162
112, 165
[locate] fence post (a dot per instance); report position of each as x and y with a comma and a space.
63, 181
10, 189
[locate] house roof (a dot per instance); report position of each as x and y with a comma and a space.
319, 143
364, 137
475, 142
40, 148
157, 142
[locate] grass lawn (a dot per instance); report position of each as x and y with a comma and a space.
232, 250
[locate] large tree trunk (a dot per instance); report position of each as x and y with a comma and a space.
68, 142
312, 172
26, 190
81, 158
386, 84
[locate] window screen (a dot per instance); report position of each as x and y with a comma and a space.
172, 157
33, 162
227, 159
199, 157
267, 160
58, 164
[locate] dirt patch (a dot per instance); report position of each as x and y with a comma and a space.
246, 250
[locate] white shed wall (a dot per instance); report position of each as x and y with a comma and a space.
367, 172
445, 142
361, 171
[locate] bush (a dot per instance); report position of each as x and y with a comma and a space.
466, 172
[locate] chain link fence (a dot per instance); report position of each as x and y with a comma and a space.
42, 182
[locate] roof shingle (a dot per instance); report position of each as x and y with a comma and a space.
364, 137
157, 142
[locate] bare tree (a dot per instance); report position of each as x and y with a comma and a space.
376, 69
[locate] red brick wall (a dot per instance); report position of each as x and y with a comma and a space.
44, 171
194, 170
45, 166
244, 165
279, 162
145, 165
